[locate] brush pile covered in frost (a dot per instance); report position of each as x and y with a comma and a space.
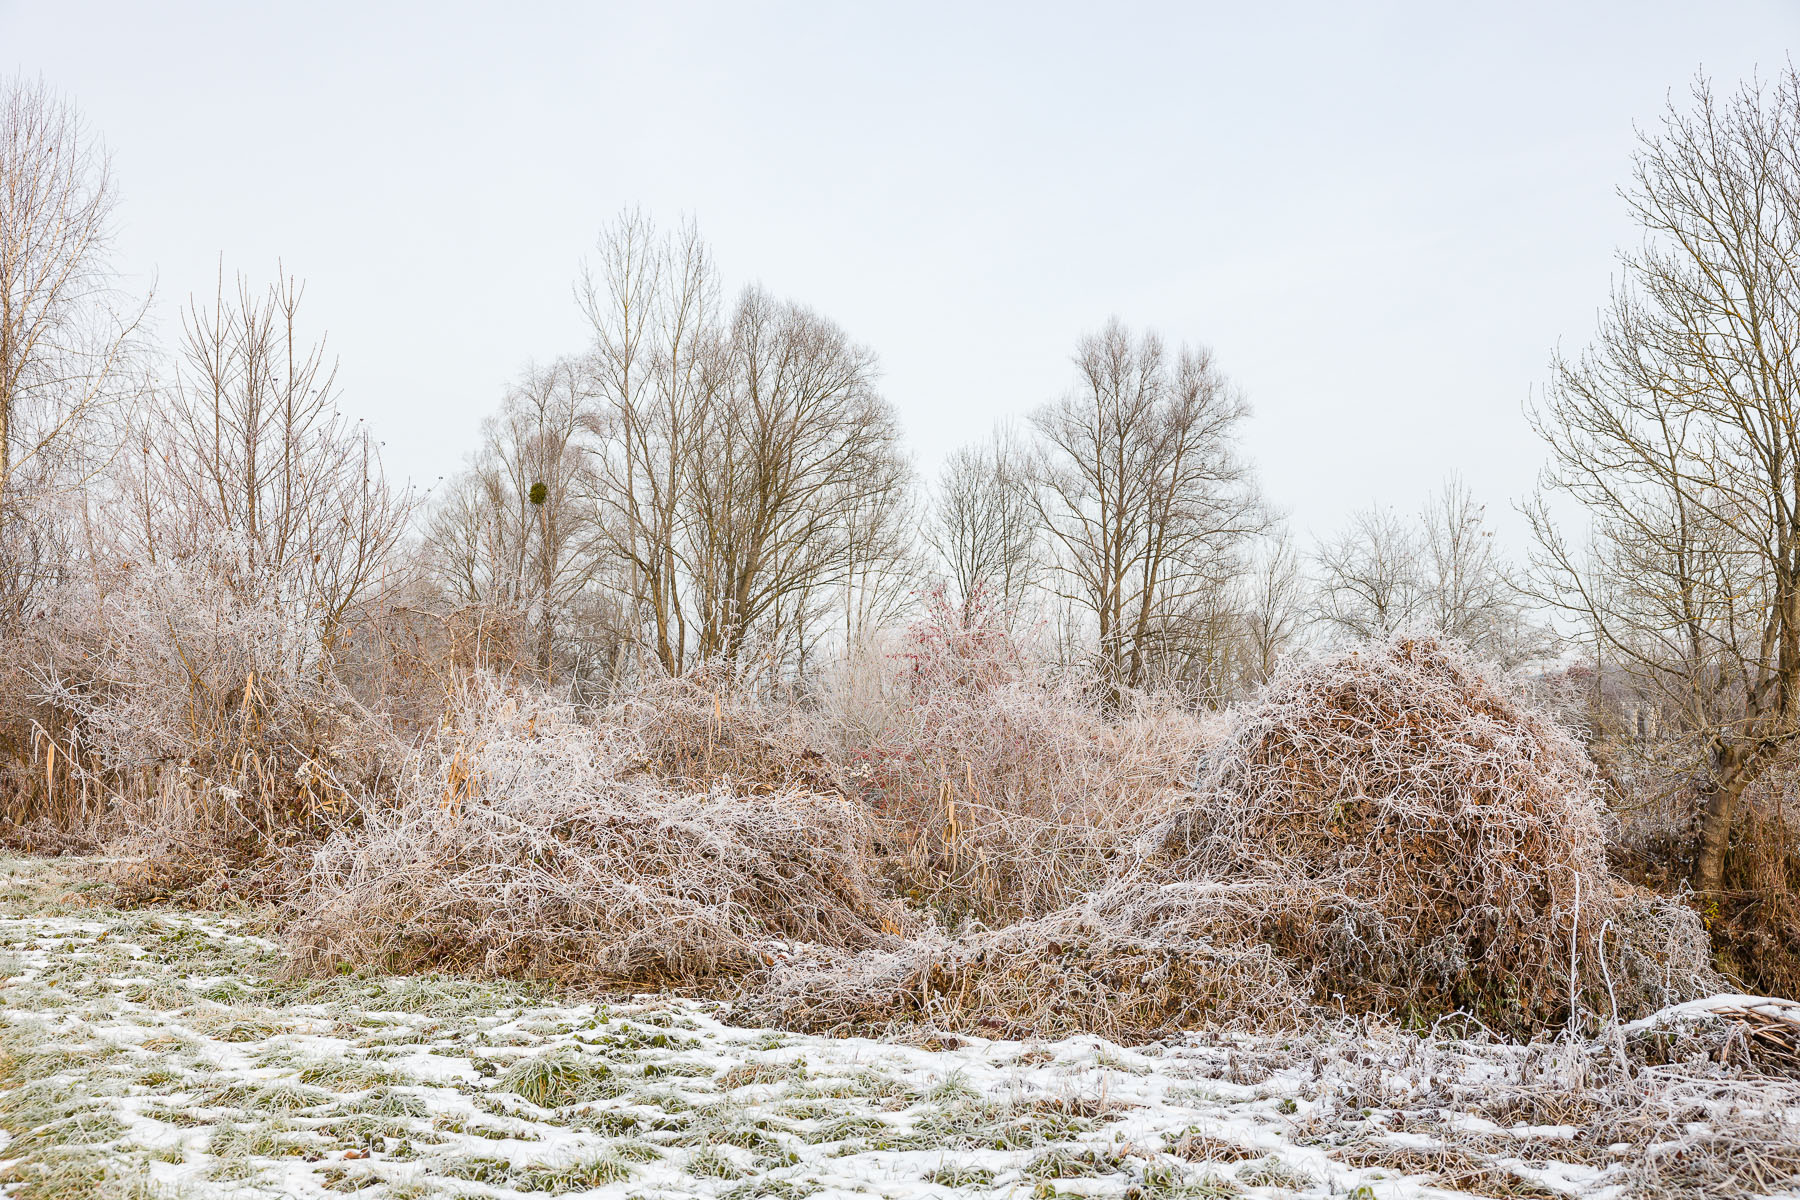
999, 791
987, 806
524, 844
1388, 831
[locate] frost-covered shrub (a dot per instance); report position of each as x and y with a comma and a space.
527, 842
207, 714
1387, 831
1429, 842
1006, 788
998, 789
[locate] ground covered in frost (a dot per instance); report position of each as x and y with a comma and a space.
162, 1053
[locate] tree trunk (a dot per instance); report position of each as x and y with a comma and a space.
1731, 771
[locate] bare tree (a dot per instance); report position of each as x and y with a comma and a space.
519, 529
800, 441
1441, 572
1143, 496
881, 540
749, 472
247, 452
1370, 581
461, 539
1677, 431
984, 527
65, 343
1472, 590
657, 363
1273, 606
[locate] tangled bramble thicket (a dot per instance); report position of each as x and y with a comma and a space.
1387, 831
1390, 831
526, 851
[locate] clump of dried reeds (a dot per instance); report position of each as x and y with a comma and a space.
198, 722
524, 844
710, 729
1012, 801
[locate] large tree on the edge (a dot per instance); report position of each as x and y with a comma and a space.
1677, 430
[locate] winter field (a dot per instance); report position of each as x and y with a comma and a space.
686, 797
165, 1053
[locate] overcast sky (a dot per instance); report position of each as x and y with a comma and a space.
1382, 217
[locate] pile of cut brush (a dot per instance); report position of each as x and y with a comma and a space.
527, 845
1390, 831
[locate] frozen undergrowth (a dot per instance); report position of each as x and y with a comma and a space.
155, 1053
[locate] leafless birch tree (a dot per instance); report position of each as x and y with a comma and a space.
799, 441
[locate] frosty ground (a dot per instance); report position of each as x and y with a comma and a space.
158, 1052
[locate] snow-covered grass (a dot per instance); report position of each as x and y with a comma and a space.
159, 1053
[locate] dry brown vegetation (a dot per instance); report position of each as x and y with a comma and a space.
523, 845
976, 846
1755, 917
202, 732
998, 790
1385, 831
640, 707
668, 836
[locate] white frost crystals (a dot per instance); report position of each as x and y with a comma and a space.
155, 1053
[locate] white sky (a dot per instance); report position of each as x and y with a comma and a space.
1382, 217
